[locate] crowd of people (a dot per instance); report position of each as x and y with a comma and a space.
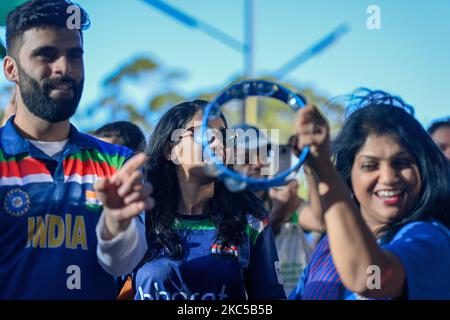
112, 215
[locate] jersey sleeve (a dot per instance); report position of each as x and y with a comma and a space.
264, 280
423, 248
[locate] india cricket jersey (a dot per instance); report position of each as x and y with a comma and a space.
210, 271
48, 214
423, 248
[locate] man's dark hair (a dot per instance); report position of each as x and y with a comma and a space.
439, 123
39, 13
126, 133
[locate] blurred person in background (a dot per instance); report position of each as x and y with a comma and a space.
11, 107
123, 133
440, 133
283, 204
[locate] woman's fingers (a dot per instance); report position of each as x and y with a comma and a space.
142, 194
134, 164
311, 127
100, 185
101, 188
131, 210
134, 179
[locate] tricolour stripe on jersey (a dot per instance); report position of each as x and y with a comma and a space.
32, 178
91, 178
21, 167
112, 160
88, 167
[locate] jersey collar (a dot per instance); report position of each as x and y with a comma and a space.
14, 144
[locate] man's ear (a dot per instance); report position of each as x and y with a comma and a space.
10, 69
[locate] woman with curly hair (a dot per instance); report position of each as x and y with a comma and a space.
384, 205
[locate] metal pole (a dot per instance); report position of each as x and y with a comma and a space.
249, 38
193, 22
249, 19
312, 51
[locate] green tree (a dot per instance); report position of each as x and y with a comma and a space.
137, 91
273, 114
6, 6
141, 89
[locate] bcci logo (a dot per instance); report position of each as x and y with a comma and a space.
17, 202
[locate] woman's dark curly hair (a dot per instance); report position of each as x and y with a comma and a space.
229, 210
379, 113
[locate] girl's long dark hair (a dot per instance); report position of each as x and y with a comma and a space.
377, 112
229, 210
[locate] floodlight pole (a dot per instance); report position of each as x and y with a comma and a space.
248, 110
247, 49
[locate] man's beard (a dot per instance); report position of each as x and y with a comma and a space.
39, 103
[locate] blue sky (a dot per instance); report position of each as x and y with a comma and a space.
409, 56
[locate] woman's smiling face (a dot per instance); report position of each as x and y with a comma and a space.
385, 180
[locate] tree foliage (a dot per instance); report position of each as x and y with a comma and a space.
141, 89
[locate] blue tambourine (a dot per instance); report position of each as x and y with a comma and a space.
235, 181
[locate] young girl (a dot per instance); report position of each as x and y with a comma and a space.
203, 241
384, 205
